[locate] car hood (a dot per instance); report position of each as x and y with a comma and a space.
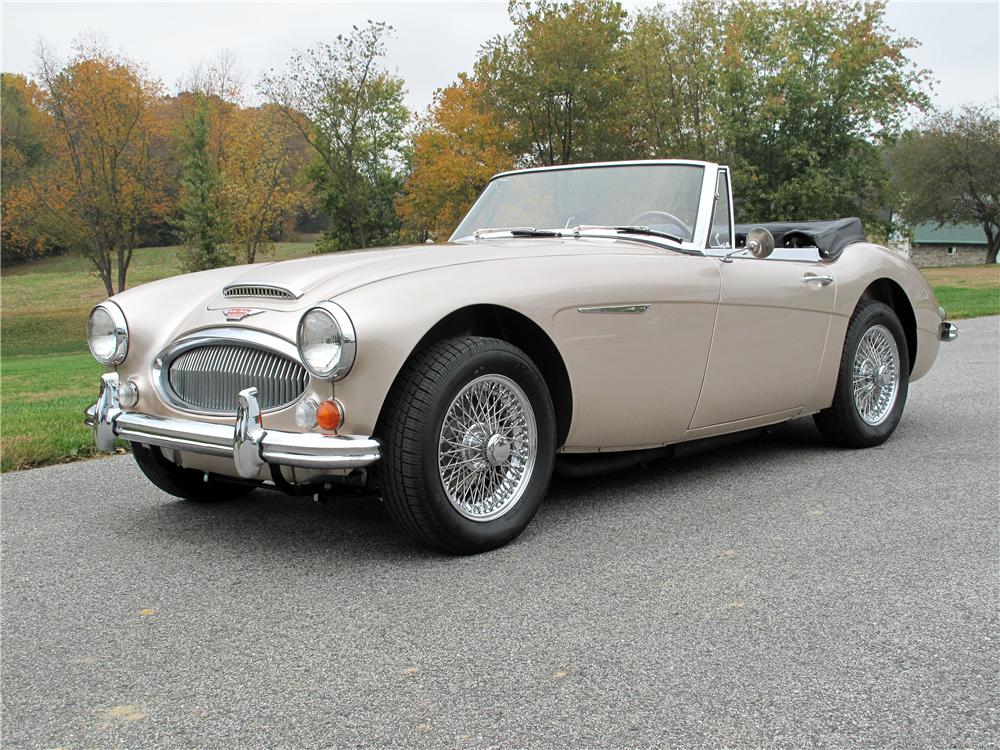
326, 276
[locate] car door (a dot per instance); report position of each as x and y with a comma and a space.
770, 330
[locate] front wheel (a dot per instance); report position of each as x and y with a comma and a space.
872, 382
468, 443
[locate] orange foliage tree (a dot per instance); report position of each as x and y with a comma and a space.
24, 127
257, 181
460, 143
102, 181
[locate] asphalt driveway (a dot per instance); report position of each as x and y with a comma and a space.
775, 592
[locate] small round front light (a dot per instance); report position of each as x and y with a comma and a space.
326, 341
107, 334
305, 414
128, 394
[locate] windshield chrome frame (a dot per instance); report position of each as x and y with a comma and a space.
703, 220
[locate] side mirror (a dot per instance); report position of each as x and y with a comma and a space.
760, 242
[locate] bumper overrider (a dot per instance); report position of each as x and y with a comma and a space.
947, 331
247, 442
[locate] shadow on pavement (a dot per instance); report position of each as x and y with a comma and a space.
358, 527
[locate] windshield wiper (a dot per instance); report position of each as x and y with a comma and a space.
532, 232
647, 231
519, 232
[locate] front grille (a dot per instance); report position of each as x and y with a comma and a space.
209, 377
269, 292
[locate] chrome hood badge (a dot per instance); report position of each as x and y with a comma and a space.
238, 313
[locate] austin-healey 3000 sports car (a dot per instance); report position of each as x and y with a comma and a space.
602, 309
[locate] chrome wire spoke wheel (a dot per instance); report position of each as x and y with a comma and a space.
487, 447
876, 375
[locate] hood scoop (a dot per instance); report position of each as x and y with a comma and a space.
261, 291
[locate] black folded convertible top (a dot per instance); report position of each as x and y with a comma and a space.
829, 237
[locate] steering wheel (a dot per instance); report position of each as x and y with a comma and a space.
670, 219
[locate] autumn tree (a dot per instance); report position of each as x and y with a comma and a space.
24, 130
459, 145
354, 120
102, 181
257, 182
948, 172
556, 80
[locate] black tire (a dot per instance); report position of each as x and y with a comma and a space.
188, 484
408, 476
842, 423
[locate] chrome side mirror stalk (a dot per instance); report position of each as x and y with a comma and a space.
760, 244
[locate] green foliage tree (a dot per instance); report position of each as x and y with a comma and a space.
949, 171
201, 224
350, 110
808, 91
799, 98
671, 69
555, 80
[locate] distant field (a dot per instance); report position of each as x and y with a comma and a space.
47, 377
45, 302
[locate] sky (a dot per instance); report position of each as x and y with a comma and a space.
959, 41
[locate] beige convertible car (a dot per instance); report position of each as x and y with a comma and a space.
581, 317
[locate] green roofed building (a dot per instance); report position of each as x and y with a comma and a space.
948, 245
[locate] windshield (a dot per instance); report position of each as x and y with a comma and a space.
663, 197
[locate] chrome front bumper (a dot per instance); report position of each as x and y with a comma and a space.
246, 442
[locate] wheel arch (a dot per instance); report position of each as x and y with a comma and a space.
889, 292
497, 321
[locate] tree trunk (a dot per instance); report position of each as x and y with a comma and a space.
992, 243
102, 260
124, 258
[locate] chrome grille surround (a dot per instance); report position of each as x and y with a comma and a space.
266, 291
204, 372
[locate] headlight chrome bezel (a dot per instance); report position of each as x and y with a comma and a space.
348, 341
120, 332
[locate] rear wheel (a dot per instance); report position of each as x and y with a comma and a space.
468, 443
873, 380
186, 483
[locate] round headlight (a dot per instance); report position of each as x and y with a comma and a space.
107, 334
326, 341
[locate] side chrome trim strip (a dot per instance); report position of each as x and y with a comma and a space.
616, 309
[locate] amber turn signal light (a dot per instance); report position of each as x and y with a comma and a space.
330, 415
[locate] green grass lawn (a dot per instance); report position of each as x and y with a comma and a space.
966, 291
41, 406
960, 302
47, 377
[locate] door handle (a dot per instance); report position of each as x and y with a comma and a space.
823, 280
